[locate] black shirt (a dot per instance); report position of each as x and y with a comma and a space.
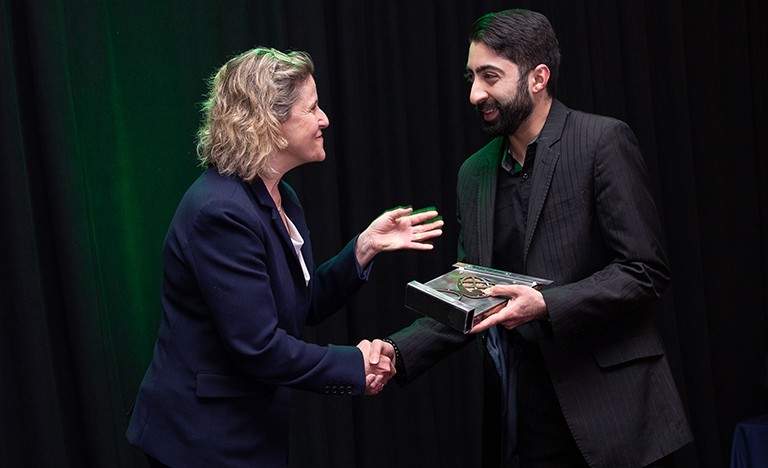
510, 217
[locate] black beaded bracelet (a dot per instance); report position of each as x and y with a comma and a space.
399, 367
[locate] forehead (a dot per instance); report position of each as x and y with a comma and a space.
308, 89
482, 57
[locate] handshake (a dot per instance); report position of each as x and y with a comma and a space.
379, 358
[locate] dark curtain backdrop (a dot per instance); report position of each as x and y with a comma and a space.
99, 107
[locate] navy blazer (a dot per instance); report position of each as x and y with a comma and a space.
228, 350
593, 228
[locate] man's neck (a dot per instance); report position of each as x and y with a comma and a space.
519, 141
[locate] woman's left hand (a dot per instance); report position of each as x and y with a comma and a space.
400, 228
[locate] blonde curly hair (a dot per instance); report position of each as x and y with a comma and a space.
249, 98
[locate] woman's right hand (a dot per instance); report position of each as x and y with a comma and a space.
379, 365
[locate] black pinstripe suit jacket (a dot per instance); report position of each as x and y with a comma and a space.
593, 228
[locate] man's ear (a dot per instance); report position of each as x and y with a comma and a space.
539, 78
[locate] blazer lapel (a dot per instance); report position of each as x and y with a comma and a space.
267, 205
487, 176
547, 156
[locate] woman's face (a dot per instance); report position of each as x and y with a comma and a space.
304, 127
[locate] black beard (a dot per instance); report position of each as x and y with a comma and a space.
511, 114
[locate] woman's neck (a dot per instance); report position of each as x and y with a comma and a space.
273, 187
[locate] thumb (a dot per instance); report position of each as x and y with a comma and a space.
374, 355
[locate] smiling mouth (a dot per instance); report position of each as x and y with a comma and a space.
486, 107
489, 113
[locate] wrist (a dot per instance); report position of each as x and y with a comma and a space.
399, 365
364, 250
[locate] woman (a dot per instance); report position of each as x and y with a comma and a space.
240, 282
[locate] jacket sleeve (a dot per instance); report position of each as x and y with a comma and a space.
228, 252
335, 281
423, 344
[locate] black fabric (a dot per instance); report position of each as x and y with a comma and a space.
513, 191
492, 423
99, 111
543, 432
154, 463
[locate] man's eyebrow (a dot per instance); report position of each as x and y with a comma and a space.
483, 68
469, 73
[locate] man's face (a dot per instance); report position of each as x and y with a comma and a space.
500, 95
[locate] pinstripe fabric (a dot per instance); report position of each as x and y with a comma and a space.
592, 228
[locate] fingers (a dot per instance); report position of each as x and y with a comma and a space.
364, 346
374, 384
505, 290
525, 304
486, 323
425, 215
415, 216
434, 223
373, 355
379, 347
379, 358
384, 367
421, 234
399, 228
418, 245
398, 212
428, 231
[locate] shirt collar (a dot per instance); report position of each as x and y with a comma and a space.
509, 164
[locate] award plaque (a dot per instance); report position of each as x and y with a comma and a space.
457, 298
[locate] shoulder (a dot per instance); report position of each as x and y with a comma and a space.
215, 196
572, 131
488, 155
591, 124
597, 122
211, 185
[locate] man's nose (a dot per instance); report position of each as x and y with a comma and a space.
477, 93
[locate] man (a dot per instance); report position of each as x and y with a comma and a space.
563, 195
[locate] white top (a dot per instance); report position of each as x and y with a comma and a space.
298, 242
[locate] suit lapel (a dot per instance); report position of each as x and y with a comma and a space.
487, 176
547, 155
267, 206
